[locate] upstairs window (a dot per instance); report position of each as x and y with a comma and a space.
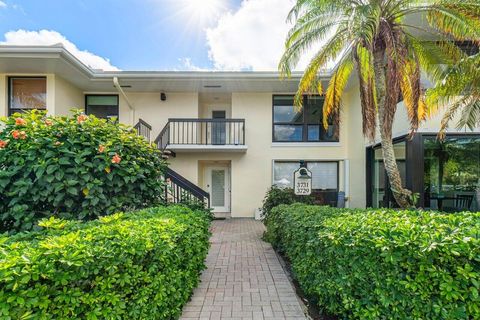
102, 106
27, 93
305, 125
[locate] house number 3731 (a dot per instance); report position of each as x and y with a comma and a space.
302, 182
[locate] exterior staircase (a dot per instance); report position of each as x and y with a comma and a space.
178, 189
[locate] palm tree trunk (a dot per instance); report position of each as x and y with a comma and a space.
401, 195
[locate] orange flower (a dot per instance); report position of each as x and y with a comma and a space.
82, 118
3, 144
20, 122
48, 122
101, 148
116, 158
19, 134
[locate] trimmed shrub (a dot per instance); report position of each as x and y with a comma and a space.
143, 265
382, 264
76, 167
196, 205
276, 196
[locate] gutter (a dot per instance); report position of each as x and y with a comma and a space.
124, 95
58, 51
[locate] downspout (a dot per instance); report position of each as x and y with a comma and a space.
124, 95
346, 174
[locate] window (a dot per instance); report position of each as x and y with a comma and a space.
445, 174
27, 93
102, 106
452, 173
324, 174
305, 125
382, 195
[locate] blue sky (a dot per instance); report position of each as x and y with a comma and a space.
155, 34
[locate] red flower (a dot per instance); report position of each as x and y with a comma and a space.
19, 134
20, 122
101, 148
3, 144
48, 122
82, 118
116, 158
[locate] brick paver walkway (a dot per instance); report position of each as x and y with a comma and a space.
244, 278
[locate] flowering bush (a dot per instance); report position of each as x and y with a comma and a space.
77, 167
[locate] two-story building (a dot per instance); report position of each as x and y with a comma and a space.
234, 134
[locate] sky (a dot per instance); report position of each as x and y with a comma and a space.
154, 34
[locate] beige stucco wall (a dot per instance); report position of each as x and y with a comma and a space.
67, 97
251, 172
431, 125
150, 108
3, 95
355, 148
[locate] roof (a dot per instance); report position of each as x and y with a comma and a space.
57, 60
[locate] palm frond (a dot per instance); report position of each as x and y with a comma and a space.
310, 82
411, 91
470, 114
456, 19
336, 87
299, 43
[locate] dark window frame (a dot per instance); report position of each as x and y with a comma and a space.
337, 162
102, 95
11, 110
370, 157
415, 162
304, 124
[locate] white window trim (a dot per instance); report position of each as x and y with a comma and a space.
337, 160
305, 144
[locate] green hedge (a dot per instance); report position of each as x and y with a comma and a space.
141, 265
75, 167
382, 264
276, 196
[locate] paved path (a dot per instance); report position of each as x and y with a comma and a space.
244, 278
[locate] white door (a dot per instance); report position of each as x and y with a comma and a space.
217, 179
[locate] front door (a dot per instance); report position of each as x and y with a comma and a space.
217, 180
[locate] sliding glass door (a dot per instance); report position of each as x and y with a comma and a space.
452, 173
380, 190
445, 174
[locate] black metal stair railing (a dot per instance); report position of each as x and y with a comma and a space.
163, 138
177, 188
181, 190
143, 129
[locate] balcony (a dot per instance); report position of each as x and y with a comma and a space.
203, 135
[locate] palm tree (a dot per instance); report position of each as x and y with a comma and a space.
383, 41
458, 87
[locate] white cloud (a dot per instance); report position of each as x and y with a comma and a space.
251, 38
188, 65
50, 37
3, 4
